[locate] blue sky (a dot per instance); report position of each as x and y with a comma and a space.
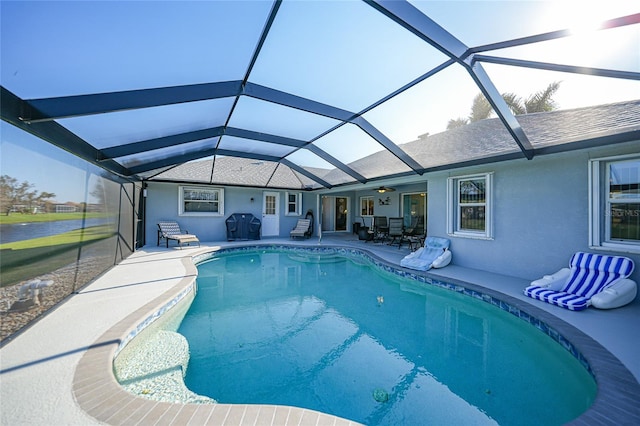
339, 52
26, 158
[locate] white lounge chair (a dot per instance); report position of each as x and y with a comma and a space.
434, 254
302, 229
170, 230
596, 280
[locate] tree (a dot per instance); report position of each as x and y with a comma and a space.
480, 109
14, 194
541, 101
457, 122
514, 102
100, 192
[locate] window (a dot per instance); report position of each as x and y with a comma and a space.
366, 206
469, 206
198, 201
294, 204
615, 203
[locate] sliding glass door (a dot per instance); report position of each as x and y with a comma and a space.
414, 211
335, 213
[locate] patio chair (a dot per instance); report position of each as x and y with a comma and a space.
596, 280
170, 230
415, 234
379, 230
415, 240
302, 229
434, 254
396, 231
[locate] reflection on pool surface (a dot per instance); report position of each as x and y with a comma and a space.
340, 336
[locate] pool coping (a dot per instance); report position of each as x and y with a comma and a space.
98, 393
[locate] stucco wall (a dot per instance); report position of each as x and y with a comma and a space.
541, 214
162, 204
392, 209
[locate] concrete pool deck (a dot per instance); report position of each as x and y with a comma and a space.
59, 370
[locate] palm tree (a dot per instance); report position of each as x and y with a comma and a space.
514, 102
457, 122
480, 109
541, 101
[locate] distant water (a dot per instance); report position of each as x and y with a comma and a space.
10, 233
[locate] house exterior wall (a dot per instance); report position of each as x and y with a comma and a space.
392, 209
540, 216
162, 204
540, 212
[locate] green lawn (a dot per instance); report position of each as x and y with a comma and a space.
22, 260
45, 217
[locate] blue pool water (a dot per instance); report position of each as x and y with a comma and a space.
341, 336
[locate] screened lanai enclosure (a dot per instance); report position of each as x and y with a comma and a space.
101, 99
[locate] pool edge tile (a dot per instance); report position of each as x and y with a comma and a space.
137, 409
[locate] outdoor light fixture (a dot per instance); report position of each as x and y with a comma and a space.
384, 189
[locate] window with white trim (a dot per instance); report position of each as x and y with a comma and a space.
294, 204
615, 203
200, 201
366, 206
469, 206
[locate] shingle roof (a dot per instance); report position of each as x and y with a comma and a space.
578, 124
478, 140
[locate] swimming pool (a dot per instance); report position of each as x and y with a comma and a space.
304, 328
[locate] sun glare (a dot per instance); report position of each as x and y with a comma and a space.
585, 23
581, 17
